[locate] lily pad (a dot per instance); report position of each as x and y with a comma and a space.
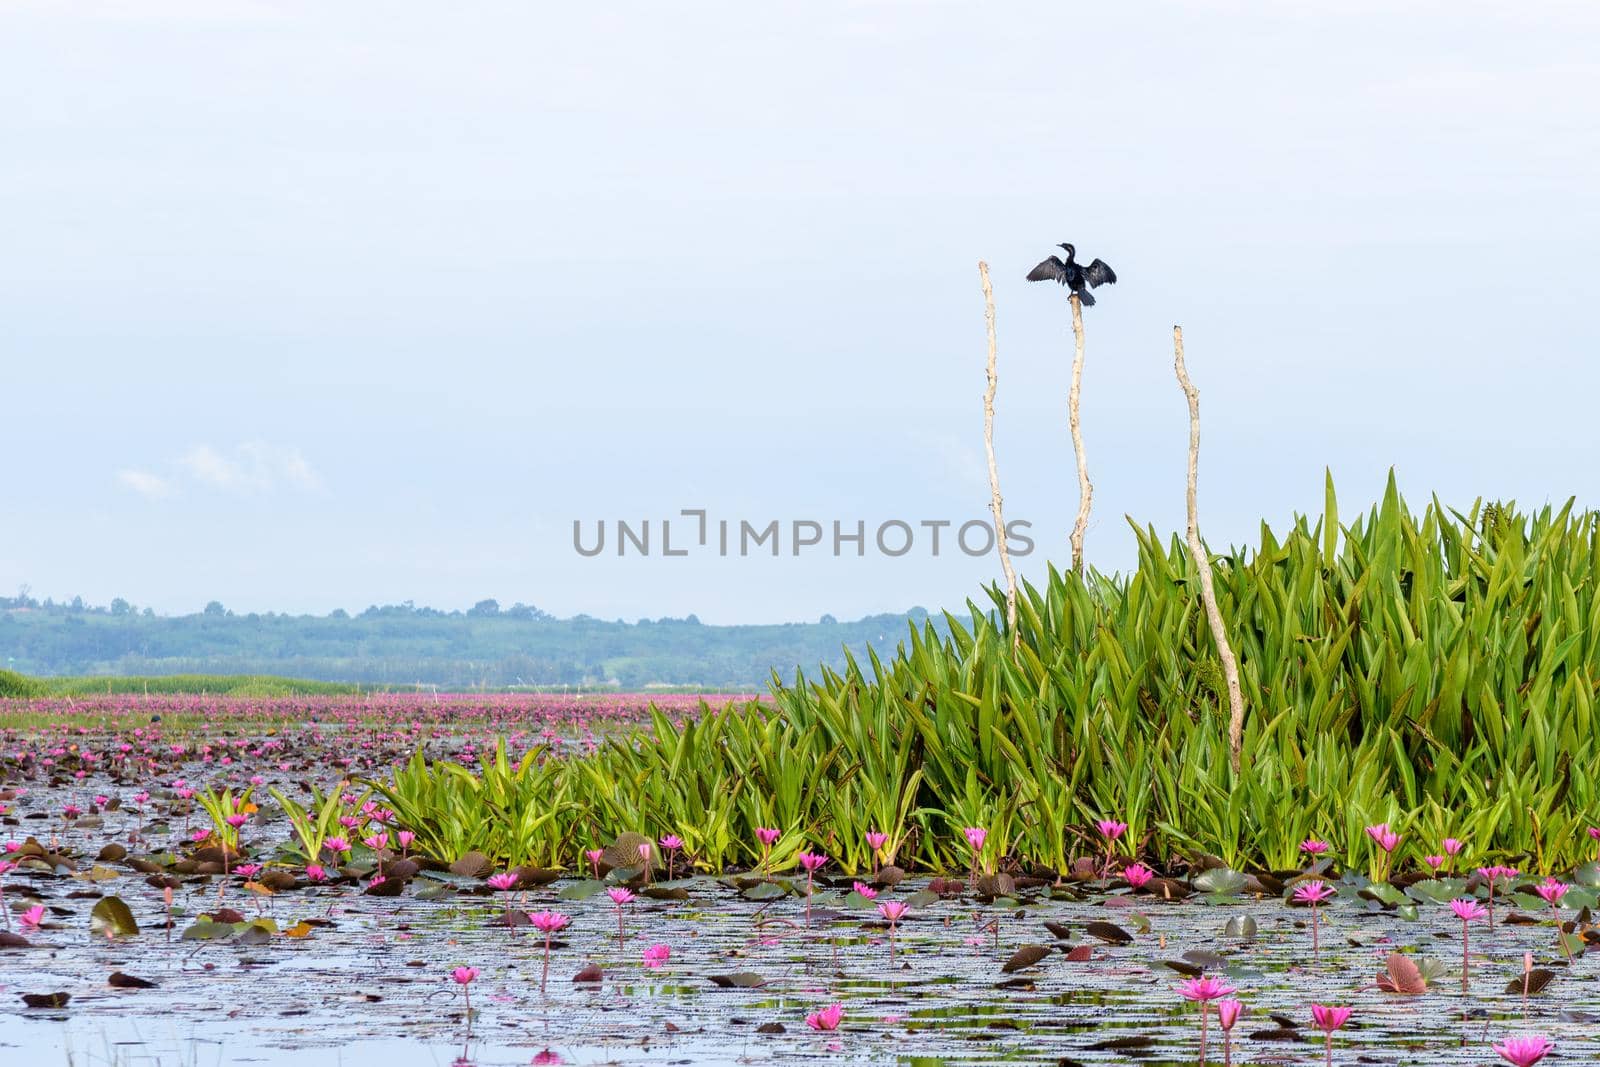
111, 915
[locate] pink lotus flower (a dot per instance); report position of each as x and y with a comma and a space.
316, 873
336, 844
1453, 846
812, 861
594, 855
1228, 1012
464, 975
656, 955
672, 842
1203, 989
826, 1019
1111, 829
1468, 910
1138, 875
1312, 892
976, 836
247, 870
620, 896
865, 890
894, 911
1552, 891
31, 918
1329, 1018
504, 881
377, 842
1386, 838
1594, 833
549, 921
876, 840
1434, 861
1312, 847
1524, 1051
767, 836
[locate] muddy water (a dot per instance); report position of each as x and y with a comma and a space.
373, 986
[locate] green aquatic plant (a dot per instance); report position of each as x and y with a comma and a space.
1434, 671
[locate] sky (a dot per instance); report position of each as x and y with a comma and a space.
309, 305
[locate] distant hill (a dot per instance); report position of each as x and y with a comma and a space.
403, 645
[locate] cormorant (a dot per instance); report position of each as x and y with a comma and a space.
1074, 275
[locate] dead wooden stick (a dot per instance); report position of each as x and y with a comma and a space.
1085, 487
1202, 561
994, 471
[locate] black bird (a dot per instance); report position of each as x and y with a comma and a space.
1074, 275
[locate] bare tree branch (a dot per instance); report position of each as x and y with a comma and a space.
994, 471
1085, 487
1202, 561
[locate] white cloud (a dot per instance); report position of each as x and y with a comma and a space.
150, 486
252, 468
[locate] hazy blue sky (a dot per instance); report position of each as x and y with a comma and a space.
324, 304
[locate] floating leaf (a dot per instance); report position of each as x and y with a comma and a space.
1122, 1044
1211, 961
1401, 975
1109, 933
1240, 926
1536, 980
1220, 881
581, 890
299, 930
472, 865
111, 915
1061, 930
764, 891
662, 892
1026, 956
591, 973
118, 980
742, 980
206, 930
921, 899
46, 1000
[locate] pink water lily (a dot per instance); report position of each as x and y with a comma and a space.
826, 1019
1313, 894
1553, 891
1138, 875
894, 911
657, 955
1468, 911
1228, 1012
1524, 1051
812, 862
1202, 991
1328, 1018
548, 923
619, 896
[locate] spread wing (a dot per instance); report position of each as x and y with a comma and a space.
1051, 270
1097, 273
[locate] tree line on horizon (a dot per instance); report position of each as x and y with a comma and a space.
403, 644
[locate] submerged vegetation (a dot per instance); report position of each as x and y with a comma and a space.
1432, 672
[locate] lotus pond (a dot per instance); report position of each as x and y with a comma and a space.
160, 908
